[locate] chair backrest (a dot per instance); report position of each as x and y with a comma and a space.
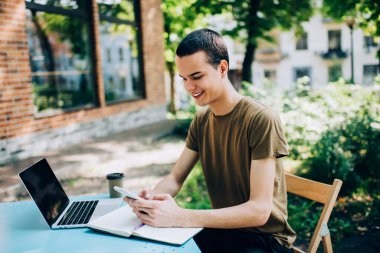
325, 194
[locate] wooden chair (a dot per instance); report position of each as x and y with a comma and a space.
323, 193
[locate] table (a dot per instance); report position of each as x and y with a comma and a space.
23, 229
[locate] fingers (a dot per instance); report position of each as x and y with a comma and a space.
126, 199
162, 196
141, 203
147, 193
137, 210
145, 218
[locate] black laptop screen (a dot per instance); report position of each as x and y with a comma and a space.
46, 191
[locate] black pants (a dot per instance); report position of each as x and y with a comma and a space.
237, 241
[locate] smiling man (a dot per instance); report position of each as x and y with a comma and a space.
239, 142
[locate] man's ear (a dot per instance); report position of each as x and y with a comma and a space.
223, 67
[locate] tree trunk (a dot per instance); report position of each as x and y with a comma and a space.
247, 63
171, 108
252, 32
378, 57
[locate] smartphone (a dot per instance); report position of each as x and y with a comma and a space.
126, 193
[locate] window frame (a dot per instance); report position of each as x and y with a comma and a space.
330, 36
86, 16
365, 73
137, 25
330, 69
309, 70
302, 41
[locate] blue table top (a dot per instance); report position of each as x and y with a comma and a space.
23, 229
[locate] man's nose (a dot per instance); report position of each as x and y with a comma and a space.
190, 85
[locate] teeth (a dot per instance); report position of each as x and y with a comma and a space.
197, 94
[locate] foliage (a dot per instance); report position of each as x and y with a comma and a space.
351, 217
334, 132
67, 29
255, 19
350, 152
180, 18
47, 97
303, 216
365, 13
194, 193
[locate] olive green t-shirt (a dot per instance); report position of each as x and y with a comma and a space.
227, 144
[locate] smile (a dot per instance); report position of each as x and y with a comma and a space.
197, 94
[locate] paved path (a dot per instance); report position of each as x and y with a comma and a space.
144, 155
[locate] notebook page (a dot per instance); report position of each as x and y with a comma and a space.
121, 221
169, 235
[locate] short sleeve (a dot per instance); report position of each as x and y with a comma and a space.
192, 135
266, 136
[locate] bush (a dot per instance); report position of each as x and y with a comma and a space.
194, 194
349, 152
334, 131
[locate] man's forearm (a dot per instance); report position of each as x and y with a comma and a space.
168, 185
248, 214
172, 183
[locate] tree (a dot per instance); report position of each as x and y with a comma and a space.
366, 14
256, 18
180, 18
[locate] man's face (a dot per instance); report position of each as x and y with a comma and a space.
201, 79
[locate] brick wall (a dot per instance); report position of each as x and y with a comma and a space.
17, 117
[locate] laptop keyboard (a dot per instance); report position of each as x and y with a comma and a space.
79, 213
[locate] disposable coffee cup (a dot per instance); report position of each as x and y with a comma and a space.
115, 179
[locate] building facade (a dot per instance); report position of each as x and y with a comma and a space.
322, 53
71, 70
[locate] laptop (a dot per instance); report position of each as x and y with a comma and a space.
50, 198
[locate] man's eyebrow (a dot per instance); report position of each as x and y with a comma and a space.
192, 74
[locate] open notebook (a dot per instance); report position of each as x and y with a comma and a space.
123, 222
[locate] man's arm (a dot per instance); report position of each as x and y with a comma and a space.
172, 183
255, 212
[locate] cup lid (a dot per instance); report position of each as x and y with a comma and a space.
112, 176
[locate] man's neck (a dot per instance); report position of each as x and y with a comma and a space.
227, 102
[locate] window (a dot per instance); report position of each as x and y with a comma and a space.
269, 78
121, 56
108, 53
369, 74
301, 43
302, 72
270, 74
334, 37
58, 39
119, 33
335, 72
369, 42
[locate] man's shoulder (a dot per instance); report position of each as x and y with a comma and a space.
202, 115
253, 108
257, 113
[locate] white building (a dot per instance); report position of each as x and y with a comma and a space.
323, 53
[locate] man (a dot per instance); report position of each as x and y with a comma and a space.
239, 142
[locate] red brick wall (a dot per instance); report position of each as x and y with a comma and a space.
17, 115
16, 104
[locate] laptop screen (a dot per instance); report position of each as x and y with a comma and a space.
46, 191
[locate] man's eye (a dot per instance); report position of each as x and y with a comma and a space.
197, 77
